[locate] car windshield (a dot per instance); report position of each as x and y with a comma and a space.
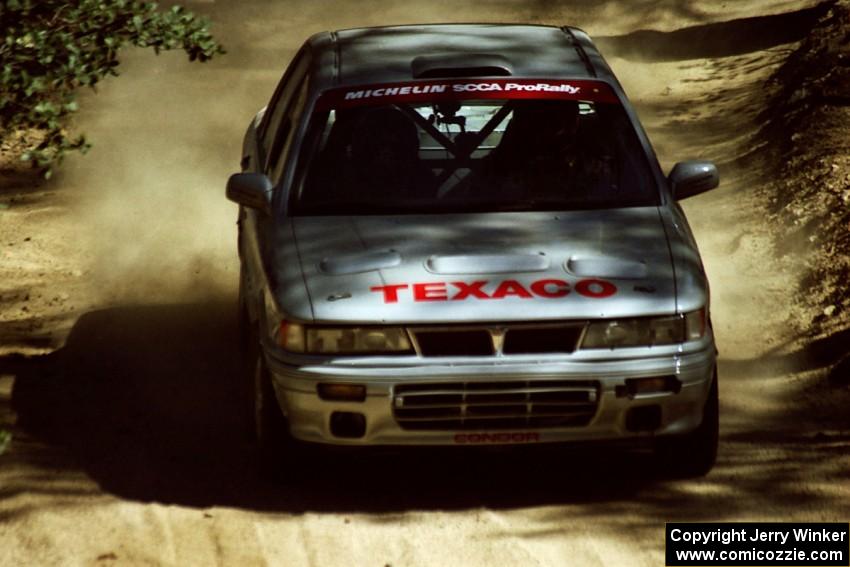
371, 154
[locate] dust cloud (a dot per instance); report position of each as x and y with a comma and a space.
153, 223
152, 217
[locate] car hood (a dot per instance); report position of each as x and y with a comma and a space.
481, 267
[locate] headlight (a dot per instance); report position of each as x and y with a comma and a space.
291, 336
645, 331
344, 340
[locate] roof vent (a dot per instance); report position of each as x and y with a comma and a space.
460, 65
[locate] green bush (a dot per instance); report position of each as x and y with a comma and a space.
51, 48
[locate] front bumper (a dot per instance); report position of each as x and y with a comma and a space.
309, 416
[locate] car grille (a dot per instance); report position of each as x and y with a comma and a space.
455, 343
541, 340
495, 405
552, 338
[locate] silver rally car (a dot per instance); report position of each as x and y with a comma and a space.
460, 235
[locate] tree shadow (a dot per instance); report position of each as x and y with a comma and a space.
831, 351
21, 186
720, 39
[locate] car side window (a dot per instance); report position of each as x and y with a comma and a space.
285, 133
280, 103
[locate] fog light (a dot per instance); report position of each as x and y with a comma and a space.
348, 424
654, 385
342, 392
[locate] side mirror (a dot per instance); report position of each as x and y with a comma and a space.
689, 178
252, 190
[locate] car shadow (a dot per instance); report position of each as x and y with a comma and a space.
144, 399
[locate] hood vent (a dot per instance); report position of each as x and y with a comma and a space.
460, 65
359, 263
486, 264
614, 268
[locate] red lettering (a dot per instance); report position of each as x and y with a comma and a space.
390, 291
470, 290
561, 288
507, 437
435, 291
596, 288
511, 287
550, 288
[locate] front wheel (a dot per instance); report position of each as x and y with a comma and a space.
694, 454
270, 427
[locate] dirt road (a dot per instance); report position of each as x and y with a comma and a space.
127, 448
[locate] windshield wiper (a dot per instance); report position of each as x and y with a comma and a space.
532, 205
357, 208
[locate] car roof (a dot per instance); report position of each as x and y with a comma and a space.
406, 53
